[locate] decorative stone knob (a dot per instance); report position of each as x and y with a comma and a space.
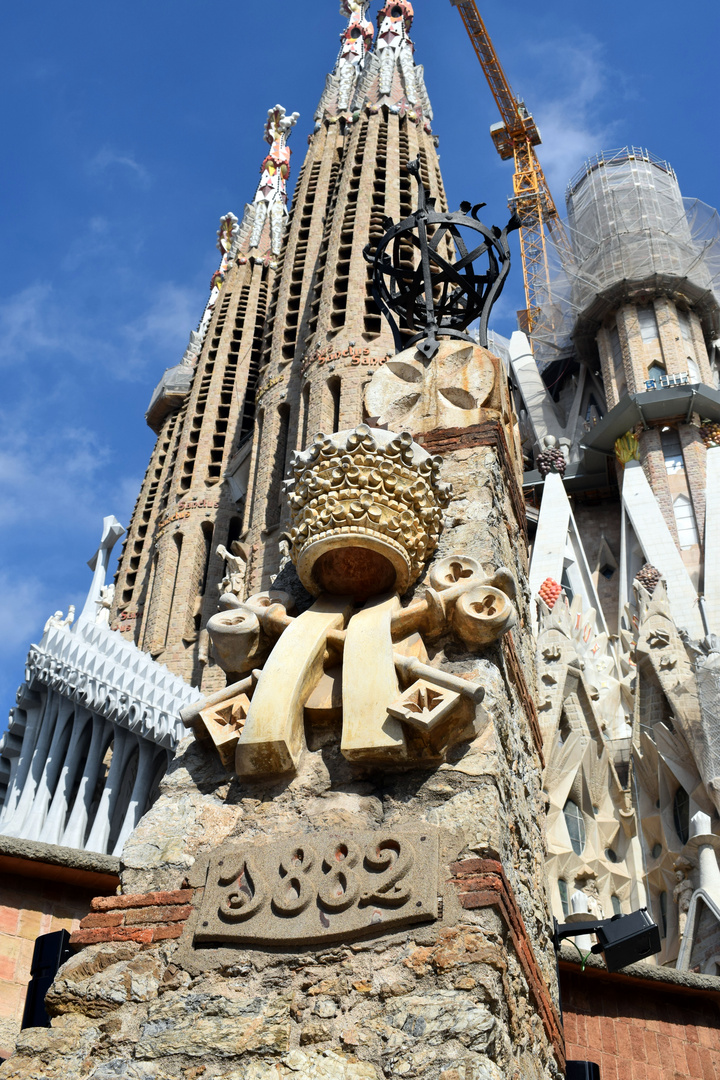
455, 570
481, 615
236, 637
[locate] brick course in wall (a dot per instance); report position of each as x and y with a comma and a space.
141, 917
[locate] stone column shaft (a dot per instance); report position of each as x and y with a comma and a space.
74, 835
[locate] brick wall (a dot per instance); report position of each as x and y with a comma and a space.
637, 1029
29, 907
141, 917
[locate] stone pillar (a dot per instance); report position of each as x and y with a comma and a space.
34, 707
38, 761
100, 832
55, 821
138, 797
366, 897
74, 835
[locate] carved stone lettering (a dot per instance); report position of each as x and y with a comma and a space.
325, 886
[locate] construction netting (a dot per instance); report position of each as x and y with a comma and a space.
627, 224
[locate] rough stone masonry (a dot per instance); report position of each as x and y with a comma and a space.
214, 961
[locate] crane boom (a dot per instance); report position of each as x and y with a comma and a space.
516, 137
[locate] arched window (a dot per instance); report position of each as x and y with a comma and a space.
616, 905
685, 521
656, 372
672, 450
648, 324
681, 814
575, 826
564, 900
333, 386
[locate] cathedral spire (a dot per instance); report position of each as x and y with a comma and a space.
355, 43
270, 201
356, 39
393, 78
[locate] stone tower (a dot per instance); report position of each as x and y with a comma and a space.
325, 335
646, 308
203, 411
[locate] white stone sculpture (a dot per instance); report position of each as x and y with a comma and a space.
394, 47
233, 581
107, 595
682, 895
356, 41
111, 532
271, 196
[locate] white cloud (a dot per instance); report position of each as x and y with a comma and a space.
24, 607
49, 473
107, 158
37, 320
572, 81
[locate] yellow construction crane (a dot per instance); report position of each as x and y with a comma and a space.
516, 136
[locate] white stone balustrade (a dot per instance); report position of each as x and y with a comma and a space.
95, 725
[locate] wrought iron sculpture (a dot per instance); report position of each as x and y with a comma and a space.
441, 295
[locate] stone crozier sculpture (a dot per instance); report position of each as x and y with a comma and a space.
366, 515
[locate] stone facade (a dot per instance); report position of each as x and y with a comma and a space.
410, 745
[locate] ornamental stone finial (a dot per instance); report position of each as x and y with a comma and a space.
355, 43
271, 196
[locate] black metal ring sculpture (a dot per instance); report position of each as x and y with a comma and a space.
438, 297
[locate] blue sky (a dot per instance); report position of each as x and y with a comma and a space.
130, 127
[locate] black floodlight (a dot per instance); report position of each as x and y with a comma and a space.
50, 953
623, 939
582, 1070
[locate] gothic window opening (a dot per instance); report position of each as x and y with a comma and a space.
685, 521
672, 450
304, 417
616, 905
333, 386
207, 531
575, 826
564, 898
648, 324
681, 814
657, 372
272, 514
177, 545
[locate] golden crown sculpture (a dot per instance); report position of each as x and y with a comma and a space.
366, 511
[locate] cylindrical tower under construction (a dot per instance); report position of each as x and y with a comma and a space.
647, 306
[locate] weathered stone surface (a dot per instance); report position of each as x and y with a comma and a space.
201, 1024
310, 1065
439, 1017
172, 839
55, 855
101, 978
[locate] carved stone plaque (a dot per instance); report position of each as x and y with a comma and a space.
318, 887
